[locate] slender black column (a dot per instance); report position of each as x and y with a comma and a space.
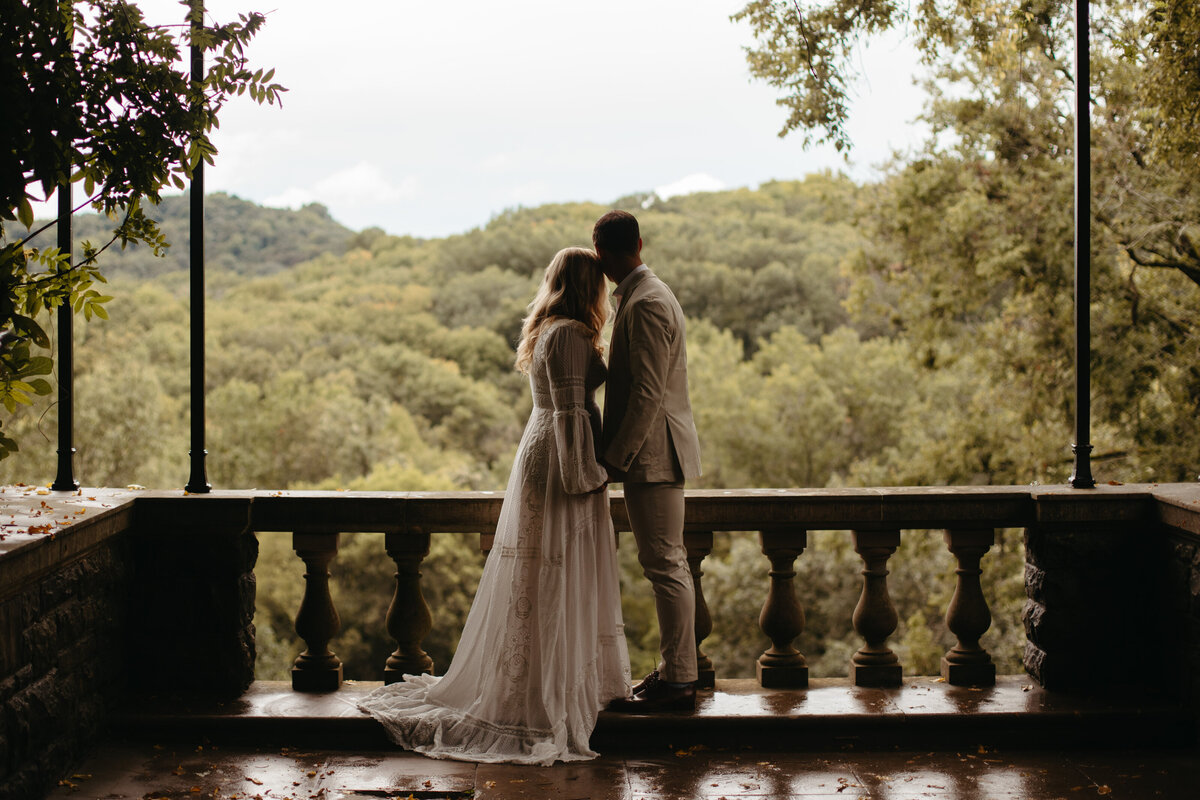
198, 481
65, 479
1082, 477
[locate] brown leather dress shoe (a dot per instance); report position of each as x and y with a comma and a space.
647, 682
659, 696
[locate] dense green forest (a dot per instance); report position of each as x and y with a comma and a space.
385, 363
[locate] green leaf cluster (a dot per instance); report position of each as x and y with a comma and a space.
96, 98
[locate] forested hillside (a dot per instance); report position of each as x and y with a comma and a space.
838, 335
240, 237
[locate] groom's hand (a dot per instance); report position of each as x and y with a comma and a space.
609, 468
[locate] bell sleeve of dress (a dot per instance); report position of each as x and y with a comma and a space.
568, 354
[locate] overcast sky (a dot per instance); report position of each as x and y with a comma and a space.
428, 118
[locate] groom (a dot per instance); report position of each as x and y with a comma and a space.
649, 443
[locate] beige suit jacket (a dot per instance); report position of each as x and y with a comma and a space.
649, 434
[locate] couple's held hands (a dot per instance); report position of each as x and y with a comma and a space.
614, 475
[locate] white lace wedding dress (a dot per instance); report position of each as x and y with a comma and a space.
543, 648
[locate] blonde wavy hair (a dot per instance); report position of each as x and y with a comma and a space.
572, 288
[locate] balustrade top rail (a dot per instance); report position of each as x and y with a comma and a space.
706, 510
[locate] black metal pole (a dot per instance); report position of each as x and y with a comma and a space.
198, 480
65, 480
1082, 477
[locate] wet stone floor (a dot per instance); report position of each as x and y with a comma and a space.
141, 772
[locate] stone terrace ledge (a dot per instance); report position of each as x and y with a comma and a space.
135, 608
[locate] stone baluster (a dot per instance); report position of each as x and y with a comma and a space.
408, 618
699, 544
968, 617
875, 617
782, 617
317, 669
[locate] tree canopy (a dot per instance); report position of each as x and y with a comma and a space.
971, 236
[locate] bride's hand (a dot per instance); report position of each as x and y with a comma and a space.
599, 488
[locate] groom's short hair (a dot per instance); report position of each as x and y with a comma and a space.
616, 232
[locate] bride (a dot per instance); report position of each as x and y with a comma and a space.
543, 648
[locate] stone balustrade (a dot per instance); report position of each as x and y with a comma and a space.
783, 519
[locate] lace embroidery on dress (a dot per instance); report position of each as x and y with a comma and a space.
543, 648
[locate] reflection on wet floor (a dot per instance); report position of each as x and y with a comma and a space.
138, 772
833, 741
1012, 694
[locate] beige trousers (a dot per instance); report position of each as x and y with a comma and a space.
656, 516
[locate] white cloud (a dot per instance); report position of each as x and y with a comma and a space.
292, 197
530, 193
500, 162
696, 182
349, 191
363, 184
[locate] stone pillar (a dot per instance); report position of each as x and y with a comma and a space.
192, 559
782, 617
875, 618
1179, 663
699, 544
968, 617
408, 618
1090, 618
317, 669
